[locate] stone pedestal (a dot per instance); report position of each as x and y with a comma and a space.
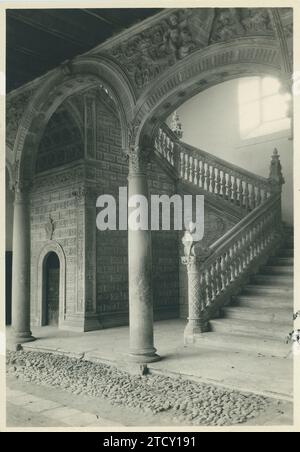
21, 270
142, 348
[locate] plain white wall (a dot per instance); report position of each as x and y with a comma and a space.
210, 121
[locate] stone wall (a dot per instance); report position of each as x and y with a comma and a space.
112, 246
55, 213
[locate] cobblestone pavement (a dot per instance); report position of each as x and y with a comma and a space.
187, 402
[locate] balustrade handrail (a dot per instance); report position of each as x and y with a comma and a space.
218, 247
217, 161
229, 167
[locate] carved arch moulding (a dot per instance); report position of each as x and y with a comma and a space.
36, 102
202, 70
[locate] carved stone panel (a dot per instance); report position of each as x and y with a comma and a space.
150, 52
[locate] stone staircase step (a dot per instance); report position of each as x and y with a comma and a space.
277, 270
259, 289
278, 331
281, 261
262, 302
248, 344
272, 314
274, 280
285, 252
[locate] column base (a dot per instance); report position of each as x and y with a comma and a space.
193, 328
144, 357
17, 339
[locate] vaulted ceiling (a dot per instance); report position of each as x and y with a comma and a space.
38, 40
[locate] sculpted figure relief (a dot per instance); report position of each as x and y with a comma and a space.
150, 52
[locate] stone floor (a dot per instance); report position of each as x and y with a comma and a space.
272, 377
102, 394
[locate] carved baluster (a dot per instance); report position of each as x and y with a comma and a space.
241, 192
223, 184
186, 172
235, 190
206, 177
172, 160
182, 165
202, 175
252, 197
213, 281
219, 275
229, 187
244, 257
227, 268
213, 180
240, 263
209, 294
192, 170
246, 196
223, 272
253, 243
236, 260
259, 197
197, 172
218, 181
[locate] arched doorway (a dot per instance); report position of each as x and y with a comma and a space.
51, 289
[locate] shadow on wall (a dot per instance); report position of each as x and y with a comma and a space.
212, 121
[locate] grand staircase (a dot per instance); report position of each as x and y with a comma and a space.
261, 317
240, 288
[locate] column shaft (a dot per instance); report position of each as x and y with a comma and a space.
21, 270
140, 276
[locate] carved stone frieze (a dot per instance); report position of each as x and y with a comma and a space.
155, 49
231, 23
15, 109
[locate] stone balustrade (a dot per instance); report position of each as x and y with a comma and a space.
214, 274
212, 174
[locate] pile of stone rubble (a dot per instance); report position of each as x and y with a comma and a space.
187, 402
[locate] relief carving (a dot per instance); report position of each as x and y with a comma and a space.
148, 53
232, 23
50, 228
15, 109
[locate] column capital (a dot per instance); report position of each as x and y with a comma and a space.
21, 191
138, 158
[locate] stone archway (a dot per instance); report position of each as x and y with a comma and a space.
213, 65
52, 91
39, 282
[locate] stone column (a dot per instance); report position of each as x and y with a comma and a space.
197, 320
21, 269
197, 316
140, 269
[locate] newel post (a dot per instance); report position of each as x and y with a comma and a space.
197, 314
276, 180
276, 177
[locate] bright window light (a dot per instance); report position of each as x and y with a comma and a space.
263, 108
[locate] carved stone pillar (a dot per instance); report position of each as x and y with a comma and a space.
197, 319
140, 269
197, 316
21, 269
